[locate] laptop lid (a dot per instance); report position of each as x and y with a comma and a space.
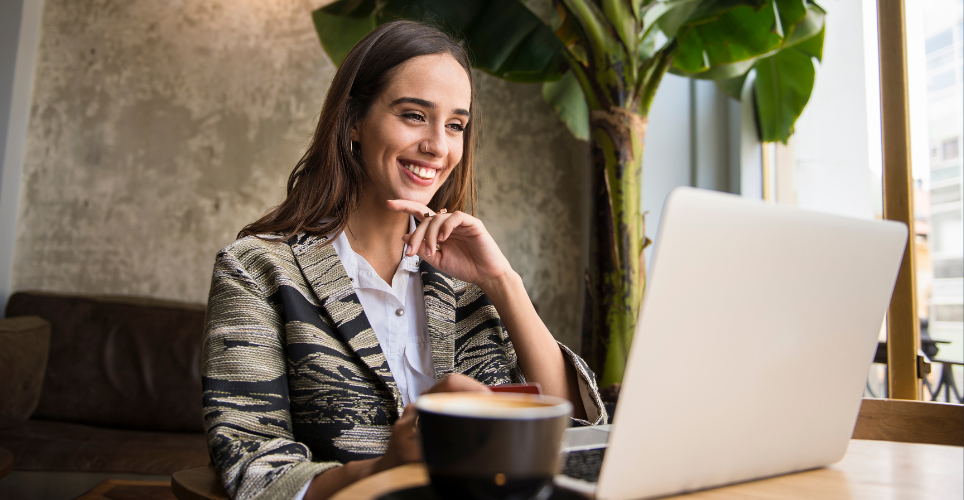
755, 338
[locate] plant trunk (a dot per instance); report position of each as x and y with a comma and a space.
617, 273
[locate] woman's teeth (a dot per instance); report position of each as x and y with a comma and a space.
421, 172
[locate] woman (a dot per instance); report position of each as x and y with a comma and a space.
335, 310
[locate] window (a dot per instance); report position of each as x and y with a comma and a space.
949, 149
939, 41
949, 269
948, 194
941, 60
949, 312
941, 81
943, 174
946, 234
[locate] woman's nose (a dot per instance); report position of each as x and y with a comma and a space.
435, 143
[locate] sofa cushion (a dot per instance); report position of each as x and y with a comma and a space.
119, 362
24, 343
61, 446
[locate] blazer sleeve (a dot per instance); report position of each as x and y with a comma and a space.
245, 391
588, 388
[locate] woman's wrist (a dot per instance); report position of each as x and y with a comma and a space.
379, 464
500, 286
331, 481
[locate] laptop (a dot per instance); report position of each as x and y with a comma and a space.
752, 349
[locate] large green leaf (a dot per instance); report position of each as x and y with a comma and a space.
783, 85
722, 32
669, 15
567, 98
735, 35
522, 49
808, 27
732, 87
806, 35
813, 46
339, 34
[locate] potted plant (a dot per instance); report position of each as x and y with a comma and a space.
600, 63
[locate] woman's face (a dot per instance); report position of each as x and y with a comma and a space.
412, 137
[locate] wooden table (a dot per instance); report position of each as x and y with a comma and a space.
870, 470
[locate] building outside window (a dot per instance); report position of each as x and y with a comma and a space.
939, 195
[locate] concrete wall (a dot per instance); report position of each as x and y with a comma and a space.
19, 34
158, 129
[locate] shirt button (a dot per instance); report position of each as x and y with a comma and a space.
399, 312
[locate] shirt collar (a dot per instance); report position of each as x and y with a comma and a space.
349, 259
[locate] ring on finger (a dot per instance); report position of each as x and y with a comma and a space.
427, 214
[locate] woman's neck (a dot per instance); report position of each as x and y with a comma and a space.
375, 232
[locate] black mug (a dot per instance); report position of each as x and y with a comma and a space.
491, 446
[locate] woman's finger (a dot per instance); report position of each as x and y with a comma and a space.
431, 234
412, 208
415, 239
457, 382
449, 224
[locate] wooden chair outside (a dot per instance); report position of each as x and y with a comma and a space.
200, 483
910, 422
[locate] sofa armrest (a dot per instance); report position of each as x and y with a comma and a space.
24, 346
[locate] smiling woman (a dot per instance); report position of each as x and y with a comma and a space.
368, 286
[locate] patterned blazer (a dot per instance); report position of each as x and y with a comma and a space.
294, 380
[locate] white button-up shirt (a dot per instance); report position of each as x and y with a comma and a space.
397, 314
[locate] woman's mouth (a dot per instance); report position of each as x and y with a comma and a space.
420, 172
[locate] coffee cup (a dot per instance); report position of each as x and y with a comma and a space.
488, 446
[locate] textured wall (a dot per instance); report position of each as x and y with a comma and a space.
158, 129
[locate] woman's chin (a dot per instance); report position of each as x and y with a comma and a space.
420, 198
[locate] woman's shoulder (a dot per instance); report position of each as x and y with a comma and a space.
274, 250
264, 242
261, 249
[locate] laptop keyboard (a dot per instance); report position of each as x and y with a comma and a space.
584, 464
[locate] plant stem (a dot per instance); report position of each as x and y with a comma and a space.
616, 273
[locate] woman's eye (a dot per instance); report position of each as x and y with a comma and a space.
414, 116
458, 127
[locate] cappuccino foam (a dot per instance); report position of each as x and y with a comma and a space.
494, 405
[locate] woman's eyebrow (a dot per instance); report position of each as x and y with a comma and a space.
427, 104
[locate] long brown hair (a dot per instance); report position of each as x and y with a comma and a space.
325, 186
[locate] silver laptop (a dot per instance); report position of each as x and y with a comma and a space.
753, 345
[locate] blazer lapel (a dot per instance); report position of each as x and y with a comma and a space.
440, 318
322, 268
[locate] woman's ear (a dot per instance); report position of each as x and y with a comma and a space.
353, 133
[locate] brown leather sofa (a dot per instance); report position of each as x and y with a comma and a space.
121, 392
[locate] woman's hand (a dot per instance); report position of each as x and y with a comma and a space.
455, 243
404, 446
